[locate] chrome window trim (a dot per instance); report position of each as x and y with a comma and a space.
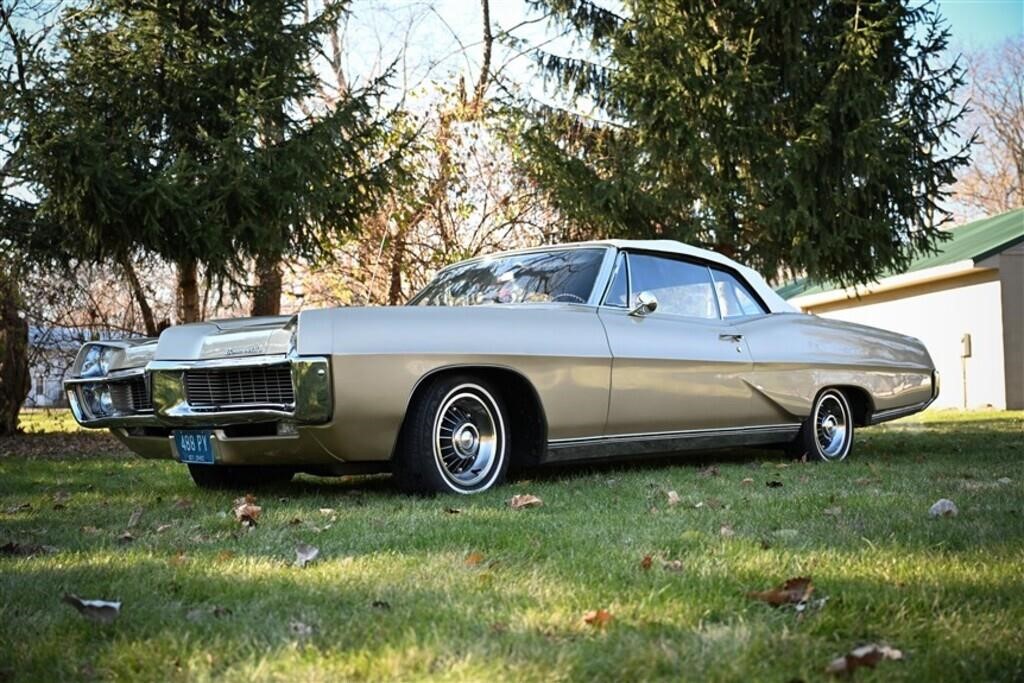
746, 286
669, 257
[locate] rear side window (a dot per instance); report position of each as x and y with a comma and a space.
734, 297
681, 287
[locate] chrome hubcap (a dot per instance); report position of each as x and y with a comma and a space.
831, 427
467, 437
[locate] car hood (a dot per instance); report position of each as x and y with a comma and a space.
237, 338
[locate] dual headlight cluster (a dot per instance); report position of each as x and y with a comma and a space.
96, 396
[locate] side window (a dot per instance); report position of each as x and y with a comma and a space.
682, 288
734, 298
618, 290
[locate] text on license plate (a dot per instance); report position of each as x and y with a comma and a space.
194, 447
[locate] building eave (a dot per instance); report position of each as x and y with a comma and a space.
888, 284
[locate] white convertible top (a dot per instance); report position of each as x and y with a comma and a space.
775, 303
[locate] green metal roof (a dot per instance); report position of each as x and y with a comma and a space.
976, 240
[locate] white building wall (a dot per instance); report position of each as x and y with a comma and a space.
940, 319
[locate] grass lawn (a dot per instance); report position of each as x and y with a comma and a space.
404, 589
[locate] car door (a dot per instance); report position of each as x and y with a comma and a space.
680, 367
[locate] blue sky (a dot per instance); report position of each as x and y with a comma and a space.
983, 23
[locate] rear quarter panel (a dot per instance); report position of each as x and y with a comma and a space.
379, 356
796, 355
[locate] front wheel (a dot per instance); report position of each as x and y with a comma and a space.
454, 440
828, 432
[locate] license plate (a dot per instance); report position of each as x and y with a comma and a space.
195, 447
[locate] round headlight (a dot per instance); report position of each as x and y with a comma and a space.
96, 362
98, 400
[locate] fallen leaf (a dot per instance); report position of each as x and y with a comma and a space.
726, 530
134, 519
943, 508
297, 628
832, 512
645, 563
710, 471
773, 484
598, 618
246, 511
91, 530
673, 499
178, 559
474, 558
304, 554
453, 511
23, 507
381, 604
219, 611
126, 537
672, 565
793, 591
101, 611
525, 500
326, 511
163, 527
747, 481
183, 503
713, 503
865, 655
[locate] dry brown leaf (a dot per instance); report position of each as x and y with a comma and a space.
865, 655
183, 503
163, 527
101, 611
126, 537
23, 507
91, 530
453, 511
246, 511
474, 558
134, 519
747, 481
726, 530
304, 554
710, 471
180, 558
525, 500
646, 563
793, 591
673, 499
598, 618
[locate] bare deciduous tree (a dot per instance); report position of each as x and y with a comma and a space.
995, 181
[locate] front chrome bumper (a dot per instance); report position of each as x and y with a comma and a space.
311, 382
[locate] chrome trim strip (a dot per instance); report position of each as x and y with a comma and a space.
233, 362
618, 445
115, 376
687, 433
896, 413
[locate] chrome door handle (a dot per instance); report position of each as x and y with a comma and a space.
730, 337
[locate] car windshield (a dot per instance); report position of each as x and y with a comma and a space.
565, 275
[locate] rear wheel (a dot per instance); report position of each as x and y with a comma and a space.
828, 432
238, 476
454, 440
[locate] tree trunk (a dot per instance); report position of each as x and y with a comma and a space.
397, 265
14, 377
188, 289
140, 296
266, 299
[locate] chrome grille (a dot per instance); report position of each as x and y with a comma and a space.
241, 386
131, 395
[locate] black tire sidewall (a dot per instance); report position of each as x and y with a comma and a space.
809, 438
416, 468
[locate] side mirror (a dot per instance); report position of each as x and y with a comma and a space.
644, 304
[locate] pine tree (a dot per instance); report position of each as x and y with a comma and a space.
178, 128
812, 137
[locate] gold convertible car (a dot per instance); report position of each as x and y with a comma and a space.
565, 353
